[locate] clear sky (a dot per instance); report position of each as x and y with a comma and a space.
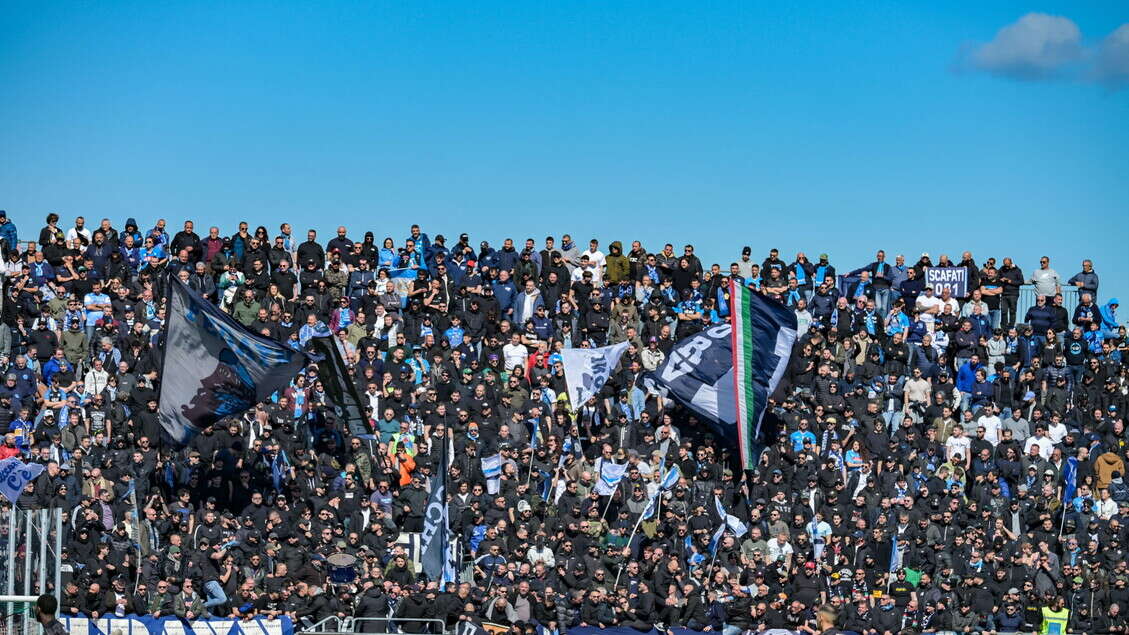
999, 127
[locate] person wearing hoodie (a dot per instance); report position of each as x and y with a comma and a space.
618, 266
1105, 466
525, 303
1108, 314
8, 232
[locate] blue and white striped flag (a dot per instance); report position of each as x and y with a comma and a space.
610, 475
492, 470
652, 506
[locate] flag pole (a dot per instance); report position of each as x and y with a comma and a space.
631, 539
609, 505
713, 559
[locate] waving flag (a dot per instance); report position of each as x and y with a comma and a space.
339, 387
15, 475
492, 470
1069, 479
214, 367
699, 373
895, 554
729, 521
670, 479
610, 475
763, 334
586, 370
652, 506
726, 372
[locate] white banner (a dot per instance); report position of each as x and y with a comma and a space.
586, 370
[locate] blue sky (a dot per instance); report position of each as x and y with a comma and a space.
838, 127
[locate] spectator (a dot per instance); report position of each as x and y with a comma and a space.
905, 483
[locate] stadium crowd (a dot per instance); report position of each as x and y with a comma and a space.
933, 463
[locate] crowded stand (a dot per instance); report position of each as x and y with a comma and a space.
929, 461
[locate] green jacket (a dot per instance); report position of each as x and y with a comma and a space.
617, 266
75, 345
244, 313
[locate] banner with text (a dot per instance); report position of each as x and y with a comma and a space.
955, 279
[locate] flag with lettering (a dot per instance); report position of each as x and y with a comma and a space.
586, 370
15, 475
762, 337
436, 538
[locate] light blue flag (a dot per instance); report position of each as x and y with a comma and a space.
729, 521
15, 475
670, 479
610, 475
652, 506
214, 367
895, 555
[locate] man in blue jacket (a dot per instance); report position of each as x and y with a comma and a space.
966, 379
8, 232
505, 292
1040, 317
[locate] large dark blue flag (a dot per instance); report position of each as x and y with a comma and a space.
726, 372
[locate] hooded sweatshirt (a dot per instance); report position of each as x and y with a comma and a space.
618, 266
1109, 315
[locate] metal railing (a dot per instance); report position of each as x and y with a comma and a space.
1027, 296
31, 564
334, 625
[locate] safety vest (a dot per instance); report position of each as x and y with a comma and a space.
1054, 622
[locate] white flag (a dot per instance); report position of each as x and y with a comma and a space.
586, 370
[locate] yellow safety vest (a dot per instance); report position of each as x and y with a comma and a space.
1054, 622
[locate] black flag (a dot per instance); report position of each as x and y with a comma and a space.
339, 388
